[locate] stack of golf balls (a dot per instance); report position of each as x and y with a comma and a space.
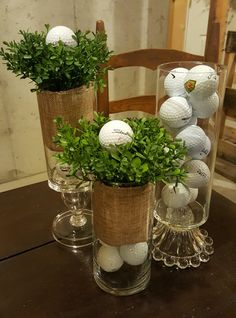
111, 258
191, 95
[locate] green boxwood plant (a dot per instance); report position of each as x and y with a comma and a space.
152, 155
61, 67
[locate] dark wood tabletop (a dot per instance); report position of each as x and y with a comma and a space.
41, 279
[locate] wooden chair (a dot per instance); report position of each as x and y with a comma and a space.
226, 156
150, 59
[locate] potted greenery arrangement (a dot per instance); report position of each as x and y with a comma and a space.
65, 67
124, 170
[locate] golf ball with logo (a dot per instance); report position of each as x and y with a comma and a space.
175, 112
175, 196
61, 33
174, 82
194, 139
109, 259
115, 132
134, 254
198, 173
201, 81
204, 151
205, 108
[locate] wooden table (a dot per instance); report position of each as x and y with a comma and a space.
40, 279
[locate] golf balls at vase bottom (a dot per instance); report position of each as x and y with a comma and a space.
61, 33
198, 173
109, 259
134, 254
201, 81
194, 139
174, 82
115, 132
175, 196
204, 151
175, 112
205, 108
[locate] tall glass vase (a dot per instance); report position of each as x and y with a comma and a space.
68, 227
189, 104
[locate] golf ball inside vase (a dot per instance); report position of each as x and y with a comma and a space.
61, 33
175, 196
174, 82
198, 173
109, 259
175, 112
205, 108
201, 81
115, 132
134, 254
194, 139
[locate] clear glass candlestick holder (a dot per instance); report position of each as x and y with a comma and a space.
189, 105
73, 228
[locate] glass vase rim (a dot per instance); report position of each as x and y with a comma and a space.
166, 67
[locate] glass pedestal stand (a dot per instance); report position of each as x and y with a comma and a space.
177, 240
73, 228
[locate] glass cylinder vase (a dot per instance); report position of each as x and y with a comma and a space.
189, 104
122, 219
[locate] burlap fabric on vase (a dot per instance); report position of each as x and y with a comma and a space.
122, 215
70, 105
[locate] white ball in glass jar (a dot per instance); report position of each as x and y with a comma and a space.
198, 173
205, 108
134, 254
201, 81
174, 82
175, 112
175, 196
108, 258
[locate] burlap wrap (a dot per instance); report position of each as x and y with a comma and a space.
122, 215
69, 105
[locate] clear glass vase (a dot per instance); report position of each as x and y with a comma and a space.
189, 104
122, 218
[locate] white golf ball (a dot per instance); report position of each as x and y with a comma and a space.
175, 112
174, 82
134, 254
109, 259
201, 81
198, 173
194, 139
115, 132
175, 131
175, 196
205, 108
194, 194
204, 151
61, 33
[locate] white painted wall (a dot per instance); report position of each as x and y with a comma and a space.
131, 24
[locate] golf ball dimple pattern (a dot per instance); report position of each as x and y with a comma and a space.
201, 81
134, 254
109, 259
174, 82
194, 139
115, 132
61, 33
205, 108
198, 173
204, 151
175, 112
175, 196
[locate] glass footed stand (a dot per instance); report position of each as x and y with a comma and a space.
73, 228
177, 238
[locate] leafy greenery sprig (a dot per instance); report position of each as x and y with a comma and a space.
60, 67
152, 155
